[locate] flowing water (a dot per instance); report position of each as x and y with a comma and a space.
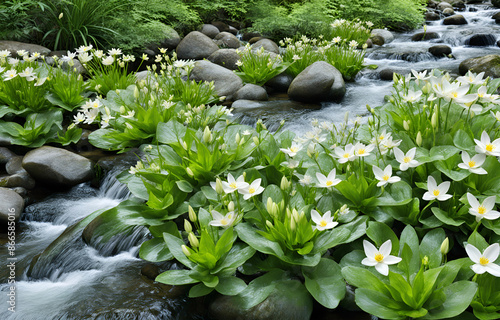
72, 280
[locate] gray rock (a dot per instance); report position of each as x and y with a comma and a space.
5, 141
11, 205
14, 46
457, 19
496, 16
288, 301
377, 39
59, 167
249, 35
21, 179
15, 165
20, 191
226, 82
196, 46
440, 50
251, 92
171, 39
444, 5
233, 30
481, 40
490, 64
369, 43
281, 82
318, 82
268, 45
228, 40
260, 107
387, 74
226, 58
386, 34
223, 27
5, 155
209, 30
495, 3
448, 12
432, 16
424, 36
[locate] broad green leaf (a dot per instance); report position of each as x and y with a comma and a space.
155, 250
442, 152
399, 283
458, 297
325, 283
249, 235
463, 141
175, 246
378, 304
478, 241
380, 233
199, 290
230, 286
184, 186
363, 278
431, 247
171, 132
259, 289
176, 277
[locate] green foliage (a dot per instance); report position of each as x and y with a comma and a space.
16, 19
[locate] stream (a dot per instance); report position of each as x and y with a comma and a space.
79, 281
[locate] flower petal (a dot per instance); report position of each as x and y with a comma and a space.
370, 249
385, 248
491, 253
473, 253
382, 268
392, 259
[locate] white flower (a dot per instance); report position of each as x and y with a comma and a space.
336, 40
484, 262
232, 185
296, 57
346, 154
222, 221
28, 74
406, 160
79, 118
486, 146
4, 53
83, 49
69, 57
252, 190
324, 222
22, 53
412, 96
85, 57
360, 150
471, 78
420, 75
9, 74
474, 164
306, 180
327, 182
114, 52
384, 176
483, 210
353, 43
292, 151
129, 115
435, 191
108, 60
40, 81
380, 259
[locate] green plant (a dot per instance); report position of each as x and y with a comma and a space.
347, 30
346, 58
16, 19
67, 89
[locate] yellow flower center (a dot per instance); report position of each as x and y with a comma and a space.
381, 137
472, 163
455, 94
346, 155
379, 257
481, 210
251, 190
224, 221
490, 147
233, 185
386, 177
435, 192
407, 159
484, 261
293, 149
361, 151
323, 223
480, 95
329, 183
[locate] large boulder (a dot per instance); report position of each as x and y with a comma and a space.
386, 34
14, 46
226, 58
281, 82
251, 92
6, 155
448, 12
170, 38
424, 36
481, 40
490, 64
227, 40
209, 30
11, 205
319, 82
432, 16
269, 45
226, 82
444, 5
457, 19
20, 179
440, 50
57, 167
196, 46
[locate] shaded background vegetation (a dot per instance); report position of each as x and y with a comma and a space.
130, 24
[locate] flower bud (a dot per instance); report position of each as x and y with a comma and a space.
269, 224
218, 186
193, 240
185, 250
189, 172
187, 226
425, 261
293, 225
256, 141
445, 246
192, 215
230, 206
346, 116
285, 184
207, 135
269, 205
184, 145
136, 92
395, 78
295, 215
61, 15
237, 138
419, 139
434, 120
406, 125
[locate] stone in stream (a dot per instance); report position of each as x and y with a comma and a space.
227, 40
226, 58
318, 82
209, 30
386, 34
11, 206
14, 46
424, 36
448, 12
5, 155
269, 45
440, 50
196, 46
481, 40
226, 82
20, 179
444, 5
281, 82
432, 16
495, 3
457, 19
251, 92
490, 64
57, 167
249, 35
223, 27
15, 165
377, 39
496, 17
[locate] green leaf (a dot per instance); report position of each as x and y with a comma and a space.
175, 246
171, 132
478, 241
249, 235
325, 283
176, 277
431, 247
458, 297
155, 250
199, 290
399, 283
238, 254
259, 289
380, 233
463, 141
274, 192
184, 186
230, 286
443, 217
224, 243
442, 152
375, 303
363, 278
